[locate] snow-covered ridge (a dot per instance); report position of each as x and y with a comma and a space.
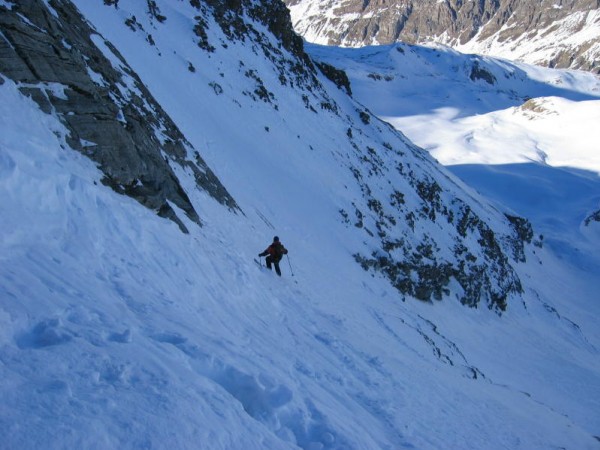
570, 42
528, 31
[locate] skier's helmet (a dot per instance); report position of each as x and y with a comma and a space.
276, 239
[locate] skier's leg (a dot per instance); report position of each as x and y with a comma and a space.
277, 269
268, 261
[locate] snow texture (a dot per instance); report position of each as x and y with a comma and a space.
119, 331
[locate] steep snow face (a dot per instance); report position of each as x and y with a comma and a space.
473, 113
410, 198
545, 33
120, 331
420, 229
523, 136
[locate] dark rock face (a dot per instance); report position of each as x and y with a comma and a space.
424, 267
594, 217
339, 77
356, 23
274, 15
111, 116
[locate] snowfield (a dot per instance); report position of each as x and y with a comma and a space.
119, 331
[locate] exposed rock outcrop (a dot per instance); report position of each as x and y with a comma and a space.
558, 29
69, 69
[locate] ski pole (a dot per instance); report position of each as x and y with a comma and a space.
288, 260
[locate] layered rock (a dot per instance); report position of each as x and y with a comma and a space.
70, 70
563, 34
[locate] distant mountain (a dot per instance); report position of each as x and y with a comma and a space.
564, 34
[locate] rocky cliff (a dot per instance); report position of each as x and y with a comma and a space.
71, 71
554, 33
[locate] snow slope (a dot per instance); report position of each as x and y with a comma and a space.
119, 331
547, 118
529, 141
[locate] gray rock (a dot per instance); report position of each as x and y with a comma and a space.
363, 22
124, 130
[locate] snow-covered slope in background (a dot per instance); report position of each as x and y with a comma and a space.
527, 137
119, 331
524, 136
470, 107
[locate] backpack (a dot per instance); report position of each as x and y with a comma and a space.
277, 250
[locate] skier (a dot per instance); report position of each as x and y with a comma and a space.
275, 251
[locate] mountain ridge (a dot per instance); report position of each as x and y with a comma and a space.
561, 35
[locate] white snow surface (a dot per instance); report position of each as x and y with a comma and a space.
119, 331
529, 141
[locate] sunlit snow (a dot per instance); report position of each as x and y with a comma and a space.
119, 331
